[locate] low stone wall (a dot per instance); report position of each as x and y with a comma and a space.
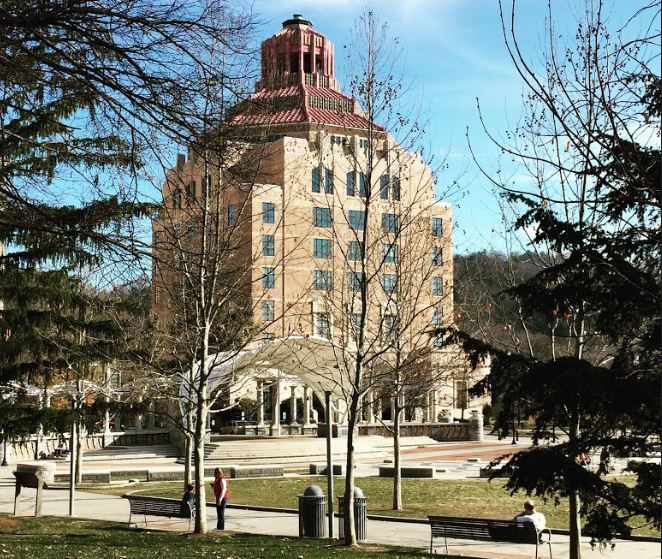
408, 471
89, 477
237, 472
471, 430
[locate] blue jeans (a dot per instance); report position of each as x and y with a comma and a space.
220, 511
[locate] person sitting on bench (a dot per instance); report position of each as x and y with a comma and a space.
61, 449
188, 501
530, 514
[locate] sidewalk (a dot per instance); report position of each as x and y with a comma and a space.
116, 509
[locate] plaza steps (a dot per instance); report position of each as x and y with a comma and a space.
300, 450
147, 452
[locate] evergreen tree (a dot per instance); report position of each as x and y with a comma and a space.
594, 207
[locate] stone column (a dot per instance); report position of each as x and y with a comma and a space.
371, 408
378, 409
433, 405
107, 437
260, 403
138, 421
306, 405
476, 426
427, 413
293, 405
392, 410
275, 409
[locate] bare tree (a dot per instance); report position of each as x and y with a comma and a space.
382, 197
583, 145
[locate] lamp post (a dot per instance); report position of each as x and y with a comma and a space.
329, 459
4, 449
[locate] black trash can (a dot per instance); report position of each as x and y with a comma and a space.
360, 516
312, 513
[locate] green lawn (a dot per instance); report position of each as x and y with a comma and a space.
61, 538
421, 497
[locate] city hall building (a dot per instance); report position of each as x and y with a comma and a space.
310, 202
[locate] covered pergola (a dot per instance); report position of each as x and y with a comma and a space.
322, 367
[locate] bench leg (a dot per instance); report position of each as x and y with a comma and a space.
446, 544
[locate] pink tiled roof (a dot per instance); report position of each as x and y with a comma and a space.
256, 110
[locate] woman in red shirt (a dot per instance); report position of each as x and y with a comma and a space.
222, 493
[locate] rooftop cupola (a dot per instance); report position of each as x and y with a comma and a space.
297, 54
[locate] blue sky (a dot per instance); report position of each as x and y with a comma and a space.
455, 54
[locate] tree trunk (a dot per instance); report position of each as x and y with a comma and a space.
573, 498
188, 450
199, 458
397, 474
348, 512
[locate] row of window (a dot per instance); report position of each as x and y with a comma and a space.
322, 217
322, 322
191, 191
342, 141
388, 187
322, 250
323, 281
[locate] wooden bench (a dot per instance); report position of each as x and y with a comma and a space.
484, 529
157, 506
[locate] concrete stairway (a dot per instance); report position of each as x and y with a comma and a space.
300, 450
147, 452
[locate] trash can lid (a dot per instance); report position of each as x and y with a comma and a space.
358, 493
313, 491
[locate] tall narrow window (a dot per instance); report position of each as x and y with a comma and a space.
396, 188
322, 217
354, 325
191, 190
268, 245
363, 186
390, 253
389, 328
389, 282
437, 286
356, 219
268, 278
437, 226
437, 317
383, 187
232, 208
354, 280
351, 183
437, 256
177, 199
355, 251
316, 179
390, 223
268, 212
323, 280
322, 249
268, 311
328, 181
322, 325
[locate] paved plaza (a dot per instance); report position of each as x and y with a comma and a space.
415, 535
